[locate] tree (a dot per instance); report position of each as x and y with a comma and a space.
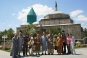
41, 28
55, 30
85, 31
30, 28
10, 33
1, 34
5, 32
82, 29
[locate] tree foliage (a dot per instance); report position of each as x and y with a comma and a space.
55, 30
30, 29
8, 32
85, 31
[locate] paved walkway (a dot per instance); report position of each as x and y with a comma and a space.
81, 53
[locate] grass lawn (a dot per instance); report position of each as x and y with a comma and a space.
79, 47
7, 50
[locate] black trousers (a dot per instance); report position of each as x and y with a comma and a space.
68, 48
25, 48
64, 47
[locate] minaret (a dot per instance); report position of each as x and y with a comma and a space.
56, 6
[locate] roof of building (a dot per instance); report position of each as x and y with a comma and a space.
36, 23
31, 12
25, 23
56, 12
58, 24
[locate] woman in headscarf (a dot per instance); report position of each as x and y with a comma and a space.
59, 44
37, 44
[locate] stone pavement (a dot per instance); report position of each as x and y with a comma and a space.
81, 53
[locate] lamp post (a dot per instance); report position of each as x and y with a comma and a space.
4, 37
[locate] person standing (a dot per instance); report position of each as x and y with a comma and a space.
14, 47
68, 43
44, 43
72, 42
25, 44
59, 44
20, 43
37, 44
31, 45
50, 43
64, 42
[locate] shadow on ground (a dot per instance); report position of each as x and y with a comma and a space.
49, 55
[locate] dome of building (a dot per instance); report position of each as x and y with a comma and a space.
25, 23
31, 12
55, 12
36, 23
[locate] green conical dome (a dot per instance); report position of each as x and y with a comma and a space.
31, 12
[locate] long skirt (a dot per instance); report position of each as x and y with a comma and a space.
59, 49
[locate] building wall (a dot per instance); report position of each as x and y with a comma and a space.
74, 29
54, 21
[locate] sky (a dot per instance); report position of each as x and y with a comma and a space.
13, 13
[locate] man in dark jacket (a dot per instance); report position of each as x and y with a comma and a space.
25, 44
64, 42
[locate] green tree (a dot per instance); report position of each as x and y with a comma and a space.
41, 28
55, 30
85, 31
30, 28
10, 33
82, 29
3, 33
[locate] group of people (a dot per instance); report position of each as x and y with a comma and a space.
63, 41
43, 43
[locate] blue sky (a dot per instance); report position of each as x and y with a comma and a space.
13, 12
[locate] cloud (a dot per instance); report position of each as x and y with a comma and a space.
76, 13
13, 14
40, 10
81, 18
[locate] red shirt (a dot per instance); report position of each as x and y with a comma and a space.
62, 38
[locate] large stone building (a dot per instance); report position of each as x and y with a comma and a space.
59, 20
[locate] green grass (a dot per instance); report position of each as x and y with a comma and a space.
79, 47
7, 50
